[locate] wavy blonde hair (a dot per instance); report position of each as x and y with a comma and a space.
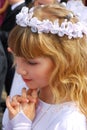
69, 76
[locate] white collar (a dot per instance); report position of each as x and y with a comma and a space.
17, 4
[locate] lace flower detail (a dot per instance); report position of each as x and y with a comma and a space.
72, 30
24, 17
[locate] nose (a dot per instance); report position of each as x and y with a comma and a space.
20, 70
20, 66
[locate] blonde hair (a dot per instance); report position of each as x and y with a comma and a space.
69, 55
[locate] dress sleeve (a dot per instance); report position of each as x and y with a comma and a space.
21, 122
76, 121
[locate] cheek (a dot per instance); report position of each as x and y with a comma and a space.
43, 74
36, 3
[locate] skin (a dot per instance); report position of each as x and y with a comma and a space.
11, 2
35, 73
25, 102
43, 2
3, 9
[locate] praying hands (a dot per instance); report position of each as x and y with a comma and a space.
26, 102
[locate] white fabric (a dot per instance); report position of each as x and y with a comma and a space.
78, 8
64, 116
17, 4
17, 85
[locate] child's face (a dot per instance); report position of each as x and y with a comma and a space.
43, 2
35, 72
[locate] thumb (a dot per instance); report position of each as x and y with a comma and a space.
35, 96
34, 93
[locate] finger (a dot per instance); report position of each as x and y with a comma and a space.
22, 99
35, 96
34, 93
8, 104
14, 98
24, 93
29, 91
14, 104
31, 99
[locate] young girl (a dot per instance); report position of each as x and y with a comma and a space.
49, 45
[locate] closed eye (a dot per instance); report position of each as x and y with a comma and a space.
40, 3
32, 63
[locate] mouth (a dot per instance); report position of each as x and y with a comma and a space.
26, 80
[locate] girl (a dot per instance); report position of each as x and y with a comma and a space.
49, 46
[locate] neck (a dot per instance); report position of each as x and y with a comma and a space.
46, 95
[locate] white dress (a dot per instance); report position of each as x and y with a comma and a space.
78, 8
65, 116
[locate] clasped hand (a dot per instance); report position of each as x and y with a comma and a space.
27, 102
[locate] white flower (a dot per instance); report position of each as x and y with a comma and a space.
72, 30
23, 17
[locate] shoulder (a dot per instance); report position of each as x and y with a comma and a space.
73, 120
69, 118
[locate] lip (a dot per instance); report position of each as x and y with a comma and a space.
27, 80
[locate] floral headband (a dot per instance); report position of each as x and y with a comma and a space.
72, 30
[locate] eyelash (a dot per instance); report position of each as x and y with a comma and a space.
39, 3
32, 63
